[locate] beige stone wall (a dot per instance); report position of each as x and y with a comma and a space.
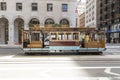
82, 20
91, 13
27, 14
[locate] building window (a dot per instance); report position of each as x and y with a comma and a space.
64, 22
93, 18
3, 6
49, 7
34, 21
49, 21
19, 6
64, 7
34, 6
119, 26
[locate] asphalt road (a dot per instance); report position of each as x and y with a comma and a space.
15, 65
58, 67
50, 70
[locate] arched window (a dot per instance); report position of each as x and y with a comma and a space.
34, 21
49, 21
64, 22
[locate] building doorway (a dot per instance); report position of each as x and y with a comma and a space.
4, 30
19, 25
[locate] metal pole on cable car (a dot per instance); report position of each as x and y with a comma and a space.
98, 39
87, 34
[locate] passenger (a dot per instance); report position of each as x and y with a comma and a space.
28, 41
82, 43
87, 38
25, 43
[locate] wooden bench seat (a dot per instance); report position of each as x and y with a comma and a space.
35, 44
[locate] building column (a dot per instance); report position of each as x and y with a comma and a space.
42, 24
11, 34
26, 27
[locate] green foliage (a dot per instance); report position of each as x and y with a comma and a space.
31, 25
57, 25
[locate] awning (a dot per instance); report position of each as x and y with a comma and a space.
112, 31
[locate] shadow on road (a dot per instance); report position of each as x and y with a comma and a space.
59, 54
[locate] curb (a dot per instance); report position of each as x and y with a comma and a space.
9, 47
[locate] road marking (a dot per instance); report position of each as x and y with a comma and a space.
108, 71
80, 78
44, 73
7, 57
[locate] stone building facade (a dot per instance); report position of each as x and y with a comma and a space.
82, 20
17, 14
91, 13
109, 19
81, 6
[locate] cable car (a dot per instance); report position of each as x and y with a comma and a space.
62, 40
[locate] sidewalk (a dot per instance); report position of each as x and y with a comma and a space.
9, 46
100, 58
112, 45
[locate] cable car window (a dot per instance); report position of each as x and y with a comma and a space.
53, 36
35, 36
82, 35
69, 36
102, 36
61, 36
75, 36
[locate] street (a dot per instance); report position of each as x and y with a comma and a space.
62, 68
16, 65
